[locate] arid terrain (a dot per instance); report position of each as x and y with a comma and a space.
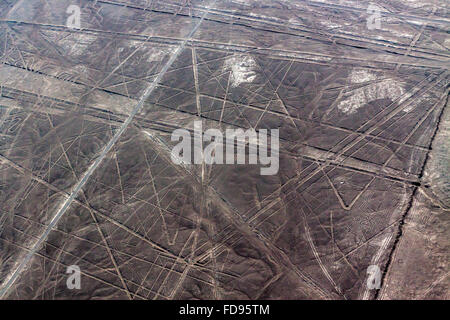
360, 98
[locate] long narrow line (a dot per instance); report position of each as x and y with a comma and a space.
63, 208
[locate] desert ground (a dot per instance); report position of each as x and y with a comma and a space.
357, 89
